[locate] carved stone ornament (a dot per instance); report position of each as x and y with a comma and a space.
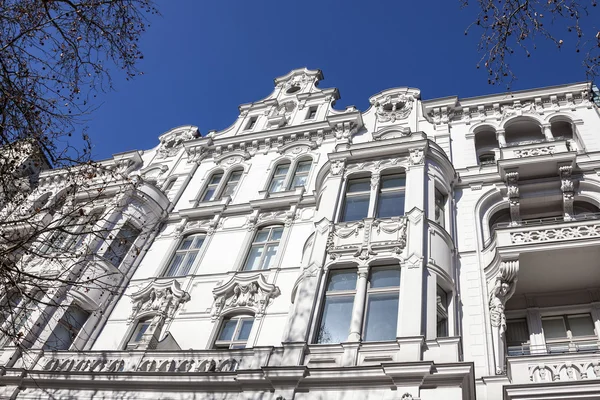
337, 167
158, 298
504, 286
416, 157
393, 107
296, 83
244, 292
171, 142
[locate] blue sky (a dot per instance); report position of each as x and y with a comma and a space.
203, 58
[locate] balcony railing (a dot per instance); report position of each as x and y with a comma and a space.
554, 348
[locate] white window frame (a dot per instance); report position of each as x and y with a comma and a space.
332, 293
82, 335
440, 205
381, 290
129, 345
109, 244
356, 194
264, 245
186, 252
310, 111
290, 174
221, 186
234, 343
399, 191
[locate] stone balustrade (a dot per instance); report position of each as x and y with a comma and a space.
554, 368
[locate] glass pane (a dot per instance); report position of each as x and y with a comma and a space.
253, 258
186, 243
174, 268
303, 166
282, 169
229, 189
359, 186
216, 179
75, 317
393, 181
299, 180
187, 264
270, 255
382, 317
210, 191
262, 236
60, 339
342, 280
276, 185
228, 329
245, 329
198, 242
517, 332
139, 332
235, 176
581, 325
385, 278
554, 328
390, 204
357, 207
276, 234
335, 322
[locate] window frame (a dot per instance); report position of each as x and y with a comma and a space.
569, 335
129, 345
106, 253
440, 202
177, 250
202, 198
75, 342
399, 191
362, 193
251, 123
380, 290
291, 173
264, 246
332, 294
311, 114
275, 176
235, 342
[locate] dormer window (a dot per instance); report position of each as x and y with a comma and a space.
312, 113
251, 123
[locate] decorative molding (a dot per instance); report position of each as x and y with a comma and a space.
244, 292
563, 233
537, 151
571, 370
417, 157
393, 105
297, 147
337, 167
567, 187
162, 298
391, 132
512, 184
171, 142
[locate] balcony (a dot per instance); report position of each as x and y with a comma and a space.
540, 157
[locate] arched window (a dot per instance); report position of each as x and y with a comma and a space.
232, 182
234, 332
185, 255
485, 144
264, 248
211, 188
282, 179
137, 334
523, 130
301, 174
277, 182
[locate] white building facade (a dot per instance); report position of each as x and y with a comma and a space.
421, 249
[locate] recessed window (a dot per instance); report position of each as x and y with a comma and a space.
264, 248
121, 244
169, 186
211, 188
312, 113
184, 257
442, 312
382, 304
517, 337
440, 208
487, 159
391, 196
137, 334
356, 204
278, 180
67, 329
252, 123
235, 332
567, 332
232, 182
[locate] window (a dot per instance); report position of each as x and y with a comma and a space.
382, 304
211, 188
137, 334
517, 337
184, 257
391, 196
312, 112
487, 159
356, 205
565, 332
440, 208
251, 123
67, 329
121, 244
17, 309
277, 182
232, 183
169, 186
442, 312
337, 308
234, 332
301, 174
59, 235
264, 248
87, 227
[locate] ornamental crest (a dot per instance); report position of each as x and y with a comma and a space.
158, 299
394, 104
171, 142
252, 292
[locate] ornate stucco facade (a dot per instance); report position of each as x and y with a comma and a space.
420, 249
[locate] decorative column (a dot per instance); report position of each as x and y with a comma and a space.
567, 188
358, 307
500, 135
375, 182
503, 288
548, 132
512, 184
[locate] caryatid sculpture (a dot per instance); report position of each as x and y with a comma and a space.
504, 287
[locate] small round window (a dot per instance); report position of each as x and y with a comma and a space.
293, 89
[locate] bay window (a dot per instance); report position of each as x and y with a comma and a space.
67, 329
442, 312
356, 203
264, 248
185, 255
440, 208
375, 302
391, 196
121, 244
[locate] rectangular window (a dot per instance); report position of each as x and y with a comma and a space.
121, 244
211, 188
391, 196
59, 236
442, 312
235, 333
279, 178
517, 337
356, 205
264, 248
67, 329
184, 257
567, 333
312, 113
137, 334
301, 174
251, 123
382, 304
440, 208
337, 309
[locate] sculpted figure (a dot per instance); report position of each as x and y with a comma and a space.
504, 287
